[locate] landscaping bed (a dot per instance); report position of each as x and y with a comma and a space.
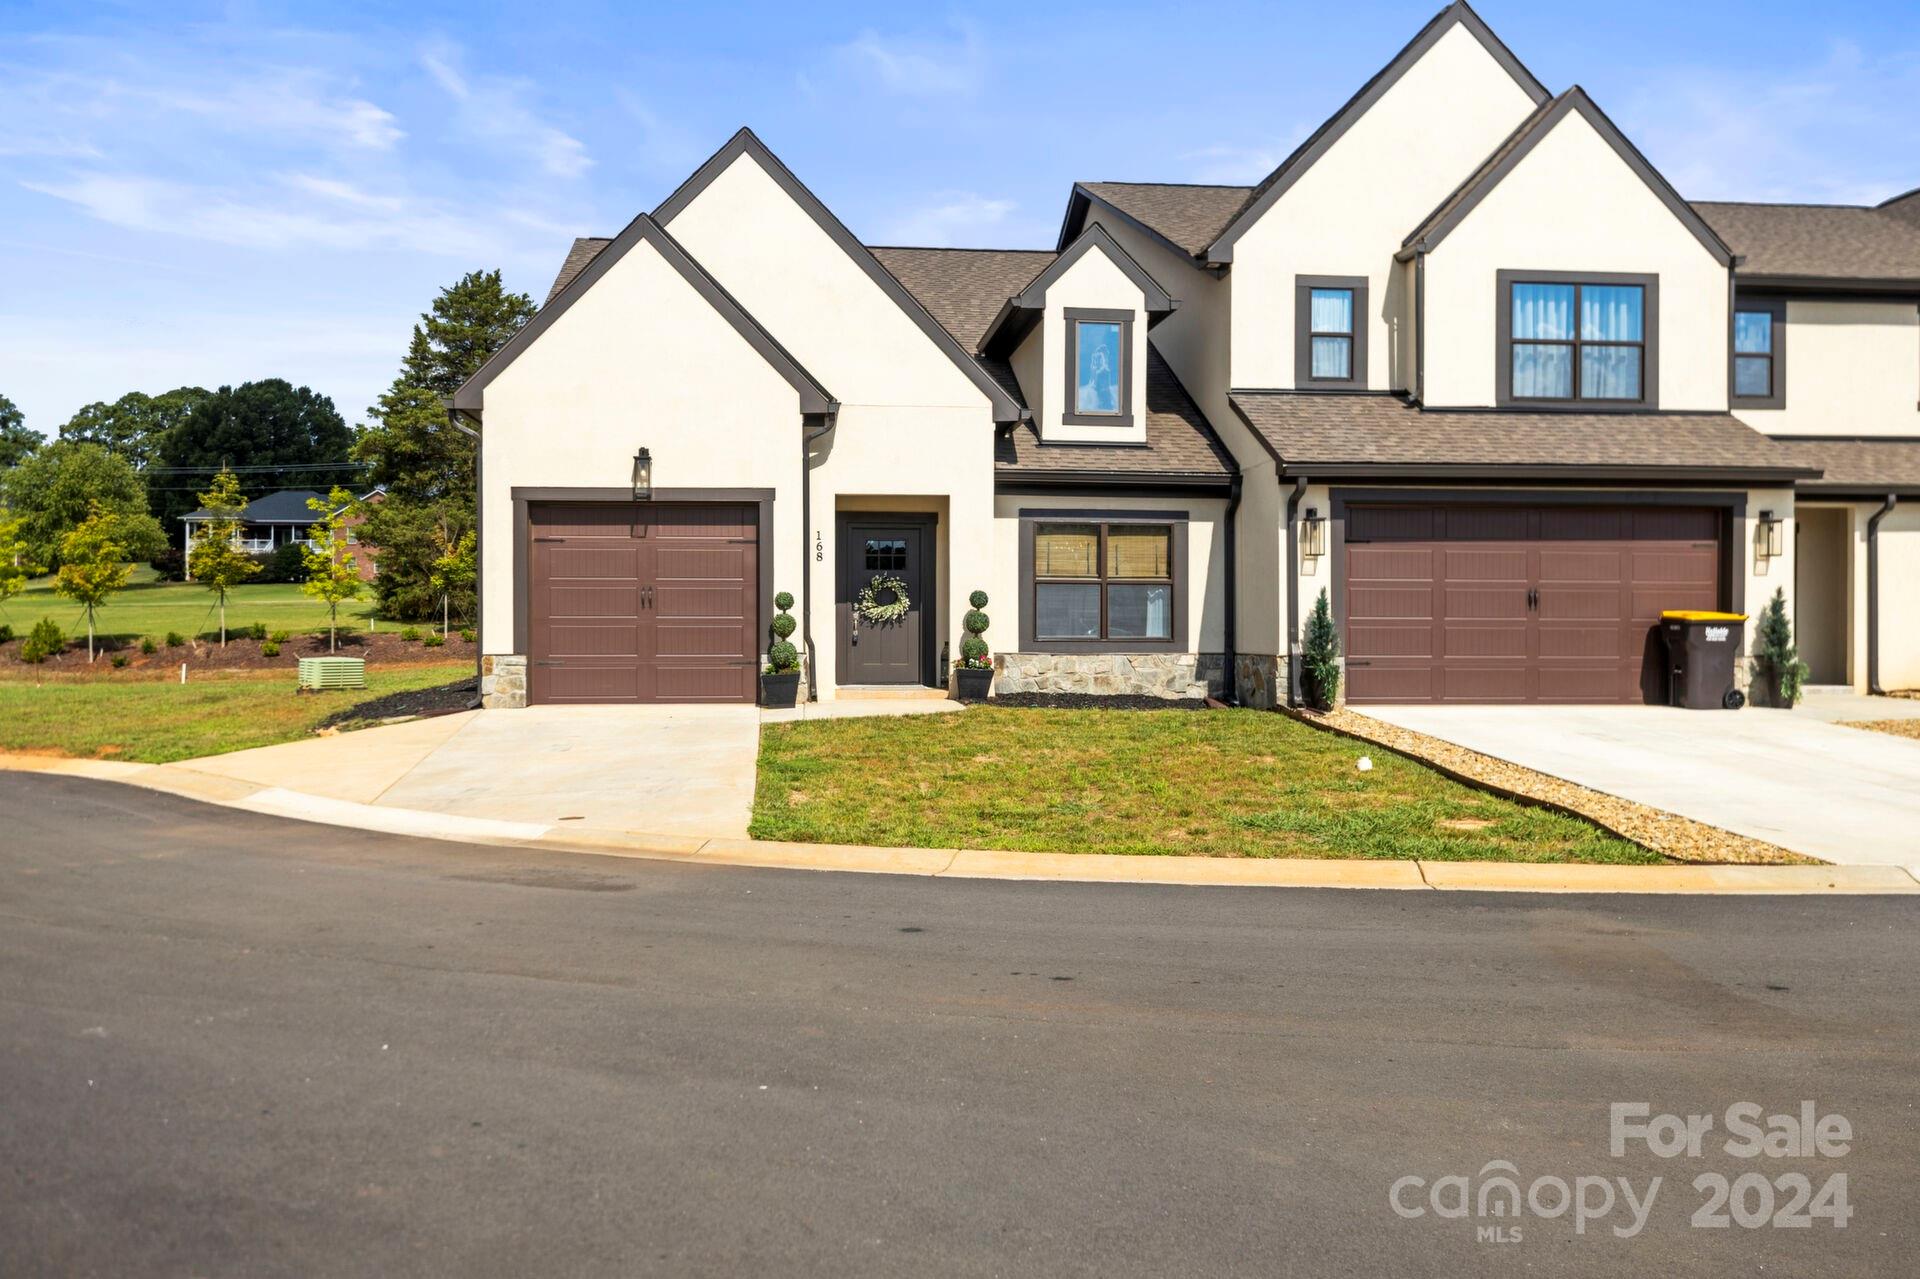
1098, 702
1895, 727
1228, 783
441, 699
385, 648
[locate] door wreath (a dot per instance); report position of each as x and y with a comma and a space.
868, 604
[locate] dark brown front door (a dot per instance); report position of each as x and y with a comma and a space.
894, 652
643, 602
1519, 604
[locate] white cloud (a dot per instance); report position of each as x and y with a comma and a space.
919, 68
954, 217
492, 109
1228, 164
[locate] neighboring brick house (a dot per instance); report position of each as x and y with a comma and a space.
276, 520
1464, 360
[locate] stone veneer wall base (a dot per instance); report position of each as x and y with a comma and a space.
503, 681
1169, 675
1260, 680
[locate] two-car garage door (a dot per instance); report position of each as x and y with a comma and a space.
1463, 603
643, 602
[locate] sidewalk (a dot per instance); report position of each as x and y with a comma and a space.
211, 781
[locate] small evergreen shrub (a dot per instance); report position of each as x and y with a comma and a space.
782, 657
1320, 655
175, 639
119, 660
411, 634
280, 637
468, 635
147, 645
1776, 659
432, 639
271, 648
45, 640
973, 649
258, 630
6, 633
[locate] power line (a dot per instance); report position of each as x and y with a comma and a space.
255, 470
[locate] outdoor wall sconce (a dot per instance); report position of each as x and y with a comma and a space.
1768, 535
1313, 534
642, 475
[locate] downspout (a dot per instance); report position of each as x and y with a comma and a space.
809, 436
1293, 589
479, 536
1873, 593
1229, 684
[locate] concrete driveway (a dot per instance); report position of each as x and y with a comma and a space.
1837, 793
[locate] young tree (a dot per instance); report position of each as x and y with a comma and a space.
15, 565
216, 560
16, 441
93, 564
333, 575
454, 570
1776, 658
56, 488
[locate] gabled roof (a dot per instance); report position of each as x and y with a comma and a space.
964, 289
288, 506
813, 397
1019, 313
1785, 243
1905, 206
1520, 143
1005, 409
1334, 434
1864, 465
1181, 445
584, 250
1276, 184
1182, 216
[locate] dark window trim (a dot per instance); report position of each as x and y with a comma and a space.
1776, 397
1177, 567
1070, 415
1649, 341
1303, 335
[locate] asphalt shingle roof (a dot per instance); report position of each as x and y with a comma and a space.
1191, 216
1858, 464
964, 288
584, 250
288, 506
1823, 240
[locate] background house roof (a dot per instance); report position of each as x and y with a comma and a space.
1858, 464
1821, 240
288, 506
1330, 433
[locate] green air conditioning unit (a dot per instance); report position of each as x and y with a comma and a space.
333, 672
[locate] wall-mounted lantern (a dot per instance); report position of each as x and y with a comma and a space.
1313, 534
1768, 536
642, 475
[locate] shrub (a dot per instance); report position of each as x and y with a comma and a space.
1776, 659
118, 660
175, 639
280, 637
6, 633
147, 645
1320, 655
281, 565
973, 649
44, 641
169, 565
258, 630
432, 639
411, 634
782, 657
468, 634
270, 649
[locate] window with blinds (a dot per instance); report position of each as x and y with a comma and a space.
1103, 581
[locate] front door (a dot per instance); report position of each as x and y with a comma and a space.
876, 550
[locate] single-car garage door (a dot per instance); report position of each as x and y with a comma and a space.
1462, 603
643, 602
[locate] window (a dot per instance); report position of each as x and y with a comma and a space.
1098, 583
1330, 332
1099, 368
1759, 353
885, 554
1573, 339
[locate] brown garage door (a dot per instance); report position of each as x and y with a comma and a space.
1519, 604
643, 602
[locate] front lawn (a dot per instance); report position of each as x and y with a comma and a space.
151, 608
158, 720
1205, 783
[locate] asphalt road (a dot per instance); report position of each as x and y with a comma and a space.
237, 1045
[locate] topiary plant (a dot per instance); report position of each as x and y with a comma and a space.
1320, 655
45, 640
1776, 659
973, 649
782, 657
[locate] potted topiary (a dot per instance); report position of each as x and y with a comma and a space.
1778, 671
1320, 657
780, 682
973, 673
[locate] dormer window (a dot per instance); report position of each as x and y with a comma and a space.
1330, 333
1573, 339
1099, 367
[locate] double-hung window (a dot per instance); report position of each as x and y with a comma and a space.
1577, 340
1330, 333
1759, 353
1099, 581
1099, 367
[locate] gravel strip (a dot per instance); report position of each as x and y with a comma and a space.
1669, 834
1897, 727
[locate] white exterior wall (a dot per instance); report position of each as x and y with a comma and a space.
1093, 282
1899, 596
1853, 368
1574, 205
635, 360
1350, 212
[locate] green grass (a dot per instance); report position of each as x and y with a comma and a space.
1209, 783
155, 721
147, 607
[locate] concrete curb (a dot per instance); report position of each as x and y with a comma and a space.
960, 863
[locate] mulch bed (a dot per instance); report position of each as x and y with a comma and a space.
385, 648
1097, 702
421, 702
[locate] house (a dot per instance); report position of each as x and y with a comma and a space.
1465, 361
280, 519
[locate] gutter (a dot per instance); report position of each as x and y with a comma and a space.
1873, 593
1293, 589
1229, 683
809, 436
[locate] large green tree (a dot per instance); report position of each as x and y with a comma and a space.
270, 423
426, 463
135, 424
54, 490
16, 441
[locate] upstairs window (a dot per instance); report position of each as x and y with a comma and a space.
1571, 340
1330, 333
1759, 353
1099, 368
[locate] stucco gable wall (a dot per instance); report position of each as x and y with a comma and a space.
1094, 282
817, 302
640, 358
1853, 368
1349, 213
1573, 204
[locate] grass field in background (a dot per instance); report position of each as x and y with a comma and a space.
147, 607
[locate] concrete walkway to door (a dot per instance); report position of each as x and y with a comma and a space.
1841, 794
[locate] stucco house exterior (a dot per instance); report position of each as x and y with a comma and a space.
1465, 361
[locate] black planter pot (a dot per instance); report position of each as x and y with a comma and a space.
972, 685
780, 690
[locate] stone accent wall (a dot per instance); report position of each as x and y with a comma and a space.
1260, 679
1170, 675
503, 681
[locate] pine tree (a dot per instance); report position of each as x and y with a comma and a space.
1776, 660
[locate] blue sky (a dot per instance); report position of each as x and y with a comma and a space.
202, 194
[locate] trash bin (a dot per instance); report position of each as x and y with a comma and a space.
1701, 649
